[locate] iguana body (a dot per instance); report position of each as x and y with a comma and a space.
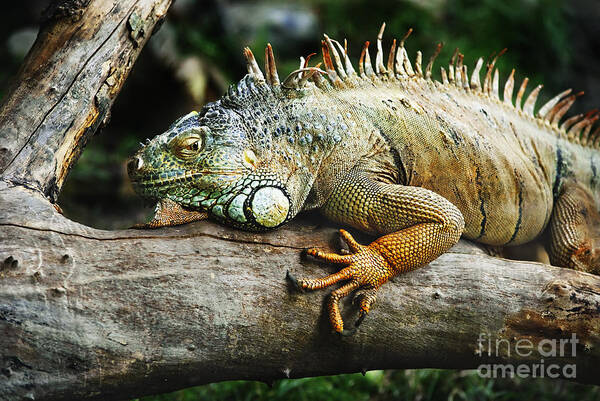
388, 151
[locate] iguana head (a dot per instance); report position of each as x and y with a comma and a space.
209, 161
249, 159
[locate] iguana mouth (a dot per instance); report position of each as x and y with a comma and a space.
175, 176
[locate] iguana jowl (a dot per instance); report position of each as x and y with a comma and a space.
388, 151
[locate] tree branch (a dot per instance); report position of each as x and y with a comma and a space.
95, 314
92, 314
67, 84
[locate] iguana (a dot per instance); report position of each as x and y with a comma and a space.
388, 151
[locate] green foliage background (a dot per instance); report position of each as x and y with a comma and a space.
422, 385
551, 41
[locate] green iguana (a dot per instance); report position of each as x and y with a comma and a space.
388, 151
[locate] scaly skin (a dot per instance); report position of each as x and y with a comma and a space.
389, 152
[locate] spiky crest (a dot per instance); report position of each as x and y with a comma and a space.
339, 73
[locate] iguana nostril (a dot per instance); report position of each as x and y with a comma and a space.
134, 164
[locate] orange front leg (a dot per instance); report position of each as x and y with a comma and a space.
421, 225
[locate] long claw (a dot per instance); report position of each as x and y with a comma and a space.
365, 298
348, 332
361, 317
294, 281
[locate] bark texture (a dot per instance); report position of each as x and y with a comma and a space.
67, 84
86, 313
92, 314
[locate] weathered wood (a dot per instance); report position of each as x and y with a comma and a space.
92, 314
86, 313
67, 84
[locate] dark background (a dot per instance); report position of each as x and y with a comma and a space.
197, 54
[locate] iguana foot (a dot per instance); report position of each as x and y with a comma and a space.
366, 268
170, 213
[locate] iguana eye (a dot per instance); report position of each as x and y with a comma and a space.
194, 146
189, 146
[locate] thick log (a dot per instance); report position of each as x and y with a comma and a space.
92, 314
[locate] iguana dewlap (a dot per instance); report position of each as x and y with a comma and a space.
388, 151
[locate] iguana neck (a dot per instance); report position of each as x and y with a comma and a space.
292, 138
329, 137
